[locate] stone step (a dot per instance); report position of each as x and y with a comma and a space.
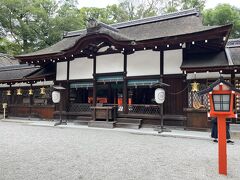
129, 120
80, 122
102, 124
128, 125
83, 118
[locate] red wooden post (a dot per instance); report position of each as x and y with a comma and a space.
222, 149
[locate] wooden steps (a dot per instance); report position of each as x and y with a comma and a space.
129, 123
79, 120
102, 124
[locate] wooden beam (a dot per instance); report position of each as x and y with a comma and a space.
125, 91
94, 82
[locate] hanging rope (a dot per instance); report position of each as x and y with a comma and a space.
179, 92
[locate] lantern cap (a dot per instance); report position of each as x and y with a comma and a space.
58, 87
216, 83
161, 84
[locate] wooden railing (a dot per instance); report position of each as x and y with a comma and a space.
132, 109
143, 109
79, 107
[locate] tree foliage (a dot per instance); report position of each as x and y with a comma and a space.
29, 25
35, 24
224, 14
176, 5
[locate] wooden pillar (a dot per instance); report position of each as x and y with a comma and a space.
68, 86
30, 102
222, 148
185, 83
94, 82
10, 97
109, 94
161, 65
125, 91
233, 78
161, 80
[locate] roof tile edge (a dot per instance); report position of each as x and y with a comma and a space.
233, 43
142, 21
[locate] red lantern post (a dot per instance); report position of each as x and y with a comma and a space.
221, 96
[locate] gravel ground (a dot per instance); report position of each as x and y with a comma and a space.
33, 152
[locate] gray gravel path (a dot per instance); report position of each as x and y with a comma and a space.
50, 153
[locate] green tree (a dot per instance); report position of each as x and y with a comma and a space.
137, 9
172, 6
8, 47
35, 24
198, 4
176, 5
224, 14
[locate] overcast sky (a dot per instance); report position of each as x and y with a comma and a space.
104, 3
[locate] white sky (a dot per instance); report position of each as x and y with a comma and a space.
104, 3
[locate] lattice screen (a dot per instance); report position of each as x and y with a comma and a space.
194, 97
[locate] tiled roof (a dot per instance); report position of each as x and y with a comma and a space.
162, 17
233, 43
16, 72
167, 25
7, 60
205, 60
233, 51
143, 20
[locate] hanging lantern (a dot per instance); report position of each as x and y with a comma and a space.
195, 87
30, 92
42, 90
9, 93
19, 92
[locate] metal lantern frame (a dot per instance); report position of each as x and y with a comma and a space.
220, 88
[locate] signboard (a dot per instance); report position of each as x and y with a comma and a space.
56, 96
159, 95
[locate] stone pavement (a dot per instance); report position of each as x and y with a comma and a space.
144, 131
174, 132
37, 150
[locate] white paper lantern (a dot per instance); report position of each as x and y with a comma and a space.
56, 96
159, 95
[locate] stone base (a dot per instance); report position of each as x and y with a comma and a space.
102, 124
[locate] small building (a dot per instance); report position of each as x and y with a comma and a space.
117, 65
21, 86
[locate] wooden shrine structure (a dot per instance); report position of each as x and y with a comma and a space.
117, 65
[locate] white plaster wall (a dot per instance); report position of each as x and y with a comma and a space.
61, 73
109, 63
143, 63
173, 61
81, 68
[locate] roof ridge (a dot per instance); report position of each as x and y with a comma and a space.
161, 17
146, 20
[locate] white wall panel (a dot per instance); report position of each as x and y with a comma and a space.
173, 61
61, 71
143, 63
81, 68
109, 63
